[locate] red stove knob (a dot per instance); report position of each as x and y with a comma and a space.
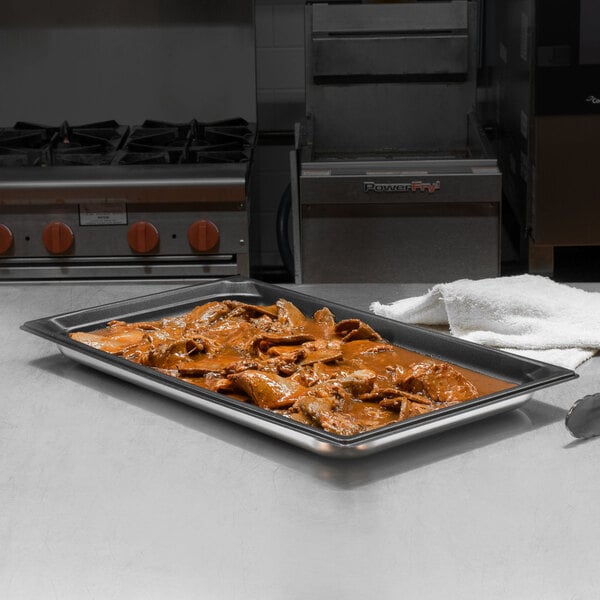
6, 239
203, 235
143, 237
57, 237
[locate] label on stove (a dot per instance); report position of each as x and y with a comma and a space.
103, 213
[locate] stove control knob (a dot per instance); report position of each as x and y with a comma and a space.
57, 237
6, 239
203, 235
143, 237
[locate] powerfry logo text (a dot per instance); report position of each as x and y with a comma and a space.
413, 186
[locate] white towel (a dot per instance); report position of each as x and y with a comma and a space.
529, 315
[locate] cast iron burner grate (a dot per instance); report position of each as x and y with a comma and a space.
154, 142
90, 144
25, 145
109, 143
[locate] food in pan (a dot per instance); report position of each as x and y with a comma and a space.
340, 376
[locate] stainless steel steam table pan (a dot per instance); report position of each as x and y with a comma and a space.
526, 375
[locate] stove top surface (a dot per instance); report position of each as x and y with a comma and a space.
110, 143
109, 154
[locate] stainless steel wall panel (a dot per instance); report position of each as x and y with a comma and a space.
384, 76
127, 60
390, 116
353, 18
384, 56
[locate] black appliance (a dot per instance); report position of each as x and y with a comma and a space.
542, 62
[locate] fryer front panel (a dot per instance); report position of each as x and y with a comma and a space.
438, 224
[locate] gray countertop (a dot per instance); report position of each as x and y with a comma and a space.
108, 491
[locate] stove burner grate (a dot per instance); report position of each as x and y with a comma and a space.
149, 158
109, 143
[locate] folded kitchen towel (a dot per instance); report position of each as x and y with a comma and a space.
529, 315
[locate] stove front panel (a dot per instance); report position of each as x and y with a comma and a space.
46, 233
135, 239
104, 230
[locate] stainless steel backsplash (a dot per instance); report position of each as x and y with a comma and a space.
127, 60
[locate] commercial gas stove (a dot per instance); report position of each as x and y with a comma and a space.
105, 199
